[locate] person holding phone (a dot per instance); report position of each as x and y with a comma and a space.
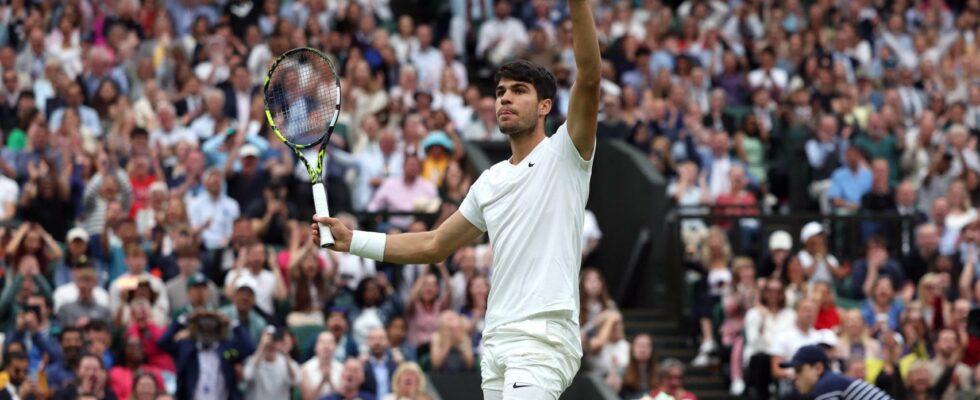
270, 373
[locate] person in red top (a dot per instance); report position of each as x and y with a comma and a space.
738, 201
142, 328
960, 323
142, 174
827, 317
672, 381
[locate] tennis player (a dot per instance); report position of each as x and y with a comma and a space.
533, 206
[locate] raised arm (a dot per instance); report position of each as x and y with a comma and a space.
407, 248
583, 105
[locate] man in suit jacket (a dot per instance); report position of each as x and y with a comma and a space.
380, 367
238, 96
206, 355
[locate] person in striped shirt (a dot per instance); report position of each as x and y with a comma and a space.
814, 380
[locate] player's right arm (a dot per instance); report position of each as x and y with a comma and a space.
409, 248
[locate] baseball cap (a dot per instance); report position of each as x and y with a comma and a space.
197, 279
248, 150
827, 339
810, 230
437, 138
807, 355
246, 282
77, 233
780, 240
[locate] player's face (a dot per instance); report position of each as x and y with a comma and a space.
518, 108
806, 377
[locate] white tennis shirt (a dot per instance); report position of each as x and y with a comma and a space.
533, 212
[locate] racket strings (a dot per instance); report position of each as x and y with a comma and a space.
303, 97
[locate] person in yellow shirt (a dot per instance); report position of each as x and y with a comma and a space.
438, 149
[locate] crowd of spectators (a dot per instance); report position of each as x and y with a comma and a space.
155, 239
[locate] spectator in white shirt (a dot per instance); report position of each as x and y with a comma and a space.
767, 76
403, 42
427, 59
214, 103
321, 374
502, 37
170, 132
270, 373
249, 271
213, 212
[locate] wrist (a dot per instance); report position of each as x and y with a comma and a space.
368, 244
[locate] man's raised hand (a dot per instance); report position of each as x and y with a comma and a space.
341, 235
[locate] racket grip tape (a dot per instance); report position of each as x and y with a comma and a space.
320, 203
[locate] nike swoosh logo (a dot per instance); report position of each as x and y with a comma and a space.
516, 386
530, 164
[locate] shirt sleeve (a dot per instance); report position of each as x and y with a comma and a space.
562, 143
471, 210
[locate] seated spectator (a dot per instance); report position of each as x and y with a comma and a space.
81, 300
474, 310
338, 324
408, 383
148, 332
763, 323
61, 370
426, 304
321, 375
672, 381
452, 348
818, 264
932, 299
924, 254
212, 212
268, 285
33, 331
800, 333
774, 263
824, 153
595, 302
190, 288
401, 349
947, 361
828, 316
77, 253
375, 306
849, 183
243, 309
91, 378
98, 340
882, 310
641, 374
146, 387
608, 351
270, 373
24, 281
310, 287
350, 383
30, 239
737, 201
19, 386
876, 263
407, 193
855, 340
122, 377
379, 367
122, 288
272, 214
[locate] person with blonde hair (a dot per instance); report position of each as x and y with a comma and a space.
408, 383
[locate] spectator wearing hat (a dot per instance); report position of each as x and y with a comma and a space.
438, 149
82, 299
849, 183
213, 212
268, 286
776, 260
206, 349
123, 288
77, 254
242, 309
817, 263
251, 178
814, 379
190, 289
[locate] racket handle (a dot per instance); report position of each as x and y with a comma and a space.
320, 203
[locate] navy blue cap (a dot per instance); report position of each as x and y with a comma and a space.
807, 355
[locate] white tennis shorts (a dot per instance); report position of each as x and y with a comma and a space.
533, 360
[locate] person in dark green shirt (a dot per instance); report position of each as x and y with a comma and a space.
878, 142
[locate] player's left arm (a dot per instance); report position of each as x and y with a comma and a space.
583, 105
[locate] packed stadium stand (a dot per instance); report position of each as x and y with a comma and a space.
768, 175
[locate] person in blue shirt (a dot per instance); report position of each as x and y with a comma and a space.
850, 182
814, 380
351, 381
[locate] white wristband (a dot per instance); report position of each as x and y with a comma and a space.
368, 245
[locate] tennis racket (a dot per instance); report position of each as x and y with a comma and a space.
302, 103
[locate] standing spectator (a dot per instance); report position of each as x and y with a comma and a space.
121, 289
947, 361
879, 143
203, 369
213, 212
82, 299
269, 373
817, 263
91, 378
609, 351
882, 309
61, 371
122, 377
425, 304
801, 333
408, 193
877, 263
75, 100
855, 340
243, 311
268, 284
190, 288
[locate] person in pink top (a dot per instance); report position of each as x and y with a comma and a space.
405, 193
143, 328
425, 304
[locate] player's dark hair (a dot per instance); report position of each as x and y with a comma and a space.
529, 72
